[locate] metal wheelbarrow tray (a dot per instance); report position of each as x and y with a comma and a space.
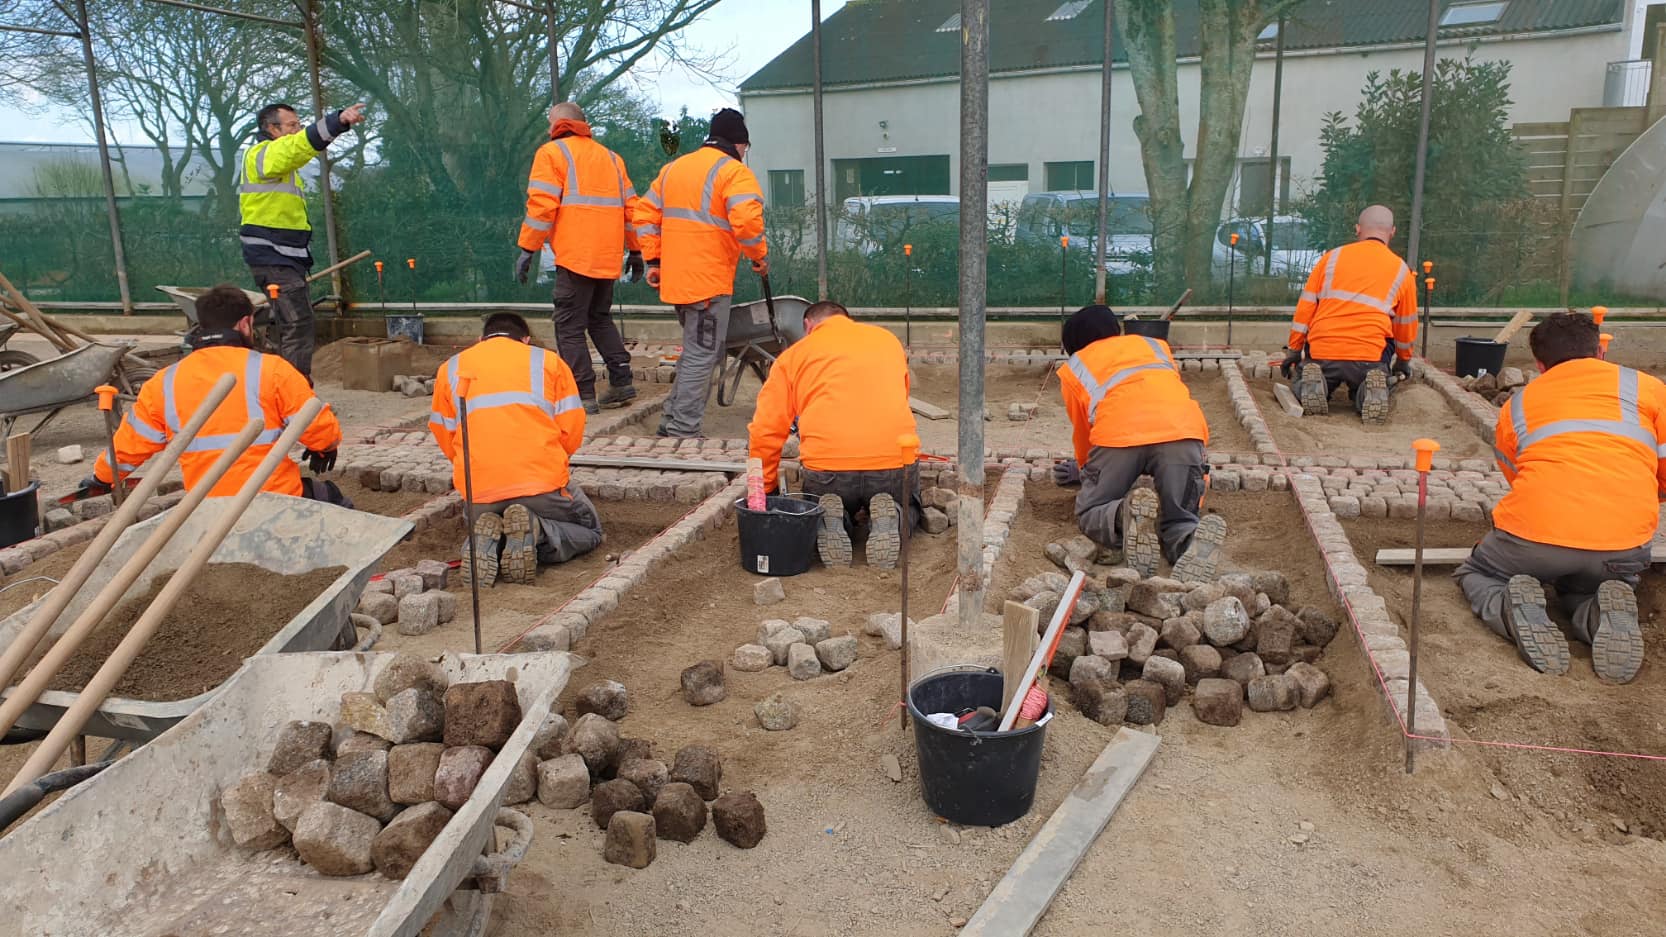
283, 534
140, 849
56, 383
758, 332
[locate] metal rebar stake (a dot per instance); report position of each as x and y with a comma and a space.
1425, 449
468, 505
910, 446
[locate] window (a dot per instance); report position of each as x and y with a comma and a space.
1253, 186
891, 175
1009, 172
1070, 177
950, 25
1069, 10
1473, 14
786, 188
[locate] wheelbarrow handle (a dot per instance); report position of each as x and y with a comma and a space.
769, 303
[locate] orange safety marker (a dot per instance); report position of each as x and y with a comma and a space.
1599, 313
1425, 450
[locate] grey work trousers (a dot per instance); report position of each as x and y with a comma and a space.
1575, 574
585, 305
1350, 374
857, 487
291, 315
705, 336
1176, 468
567, 523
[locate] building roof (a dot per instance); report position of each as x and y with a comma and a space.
898, 40
21, 164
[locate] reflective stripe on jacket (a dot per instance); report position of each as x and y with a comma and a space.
579, 199
271, 198
1358, 298
525, 418
847, 385
267, 387
703, 212
1126, 391
1582, 449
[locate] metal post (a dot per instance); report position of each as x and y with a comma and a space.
1425, 451
309, 26
974, 262
1428, 300
910, 446
555, 52
1231, 278
117, 249
463, 384
908, 296
1099, 246
1416, 231
1064, 273
1272, 163
820, 135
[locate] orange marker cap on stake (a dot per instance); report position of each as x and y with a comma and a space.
1428, 266
378, 266
463, 383
106, 396
410, 262
1599, 313
272, 290
1064, 240
1234, 238
1604, 339
908, 250
1426, 449
910, 446
1429, 282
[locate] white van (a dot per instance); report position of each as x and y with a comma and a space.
873, 223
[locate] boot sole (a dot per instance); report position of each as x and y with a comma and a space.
1141, 548
1538, 640
488, 535
1203, 556
1373, 406
1617, 646
832, 540
520, 546
609, 402
884, 534
1314, 399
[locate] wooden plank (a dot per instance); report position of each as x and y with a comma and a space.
1019, 624
1513, 326
928, 410
1546, 174
1544, 145
1023, 895
1287, 399
17, 461
1550, 129
1452, 556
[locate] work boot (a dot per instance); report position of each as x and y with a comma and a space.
1203, 554
520, 545
1616, 640
1538, 640
1373, 397
832, 540
1313, 391
488, 537
617, 396
884, 532
590, 405
1141, 549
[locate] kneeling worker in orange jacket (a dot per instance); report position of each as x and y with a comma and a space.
525, 421
268, 388
846, 383
1584, 449
1357, 314
1133, 416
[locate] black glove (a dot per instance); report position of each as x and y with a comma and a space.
1401, 368
523, 264
91, 487
1067, 472
635, 266
321, 462
1292, 361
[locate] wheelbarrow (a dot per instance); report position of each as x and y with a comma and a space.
185, 297
758, 332
279, 533
51, 385
142, 848
11, 359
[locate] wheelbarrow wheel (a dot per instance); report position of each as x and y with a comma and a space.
11, 360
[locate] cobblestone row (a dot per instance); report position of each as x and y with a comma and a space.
14, 558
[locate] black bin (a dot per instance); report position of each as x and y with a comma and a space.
780, 540
1151, 328
973, 778
1476, 355
19, 515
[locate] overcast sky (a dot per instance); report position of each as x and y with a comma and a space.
748, 32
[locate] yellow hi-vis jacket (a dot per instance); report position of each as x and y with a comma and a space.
272, 200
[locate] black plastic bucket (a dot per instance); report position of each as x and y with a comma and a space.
1476, 355
19, 515
781, 540
975, 778
1153, 328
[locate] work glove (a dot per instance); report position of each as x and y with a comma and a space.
635, 267
1401, 369
1067, 472
91, 487
523, 264
761, 267
320, 462
1292, 361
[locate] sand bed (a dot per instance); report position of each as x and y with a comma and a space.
1418, 410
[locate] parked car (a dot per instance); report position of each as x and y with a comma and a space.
1047, 216
873, 223
1294, 253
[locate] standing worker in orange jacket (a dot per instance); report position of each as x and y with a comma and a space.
525, 422
1584, 449
1357, 314
1132, 416
268, 388
846, 384
580, 200
704, 211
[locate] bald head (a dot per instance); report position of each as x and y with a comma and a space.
1376, 222
567, 110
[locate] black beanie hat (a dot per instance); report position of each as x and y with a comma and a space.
729, 125
1088, 325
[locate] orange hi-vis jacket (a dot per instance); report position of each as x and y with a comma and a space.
268, 387
1358, 297
1126, 391
847, 384
1582, 448
525, 418
580, 200
701, 214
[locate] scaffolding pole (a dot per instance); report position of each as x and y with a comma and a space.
821, 152
555, 52
1416, 224
1104, 158
309, 26
118, 250
974, 247
1273, 174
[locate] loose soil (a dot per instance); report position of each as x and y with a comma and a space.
1486, 690
1417, 410
385, 503
1226, 434
227, 614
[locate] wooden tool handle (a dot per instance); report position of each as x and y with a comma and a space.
1513, 326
